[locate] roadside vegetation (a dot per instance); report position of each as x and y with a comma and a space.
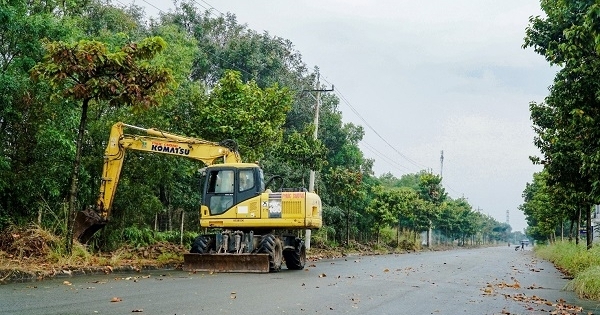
562, 199
578, 263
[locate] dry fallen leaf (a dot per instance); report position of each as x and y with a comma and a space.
322, 275
138, 311
67, 283
116, 299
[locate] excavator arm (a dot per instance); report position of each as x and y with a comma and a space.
89, 221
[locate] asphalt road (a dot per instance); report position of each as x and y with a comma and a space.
495, 280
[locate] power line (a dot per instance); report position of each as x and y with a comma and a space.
211, 7
371, 148
343, 98
390, 161
203, 7
152, 5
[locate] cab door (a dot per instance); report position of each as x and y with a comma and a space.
219, 195
248, 186
229, 187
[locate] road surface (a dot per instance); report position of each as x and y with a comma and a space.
496, 280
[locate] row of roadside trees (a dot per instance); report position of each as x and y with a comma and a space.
559, 201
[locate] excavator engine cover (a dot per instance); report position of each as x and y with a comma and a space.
252, 263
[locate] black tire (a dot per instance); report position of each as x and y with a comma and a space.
295, 259
201, 245
271, 245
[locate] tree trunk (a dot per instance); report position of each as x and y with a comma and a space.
348, 227
75, 175
398, 235
429, 234
588, 225
578, 225
571, 230
181, 229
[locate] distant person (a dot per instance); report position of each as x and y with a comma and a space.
522, 245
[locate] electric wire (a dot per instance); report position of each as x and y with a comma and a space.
390, 161
152, 5
343, 98
211, 7
371, 148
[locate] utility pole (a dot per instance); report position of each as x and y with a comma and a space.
311, 182
508, 223
442, 163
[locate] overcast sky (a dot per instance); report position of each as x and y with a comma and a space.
422, 77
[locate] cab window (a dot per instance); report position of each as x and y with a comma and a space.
220, 191
246, 178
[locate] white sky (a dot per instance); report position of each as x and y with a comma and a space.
425, 76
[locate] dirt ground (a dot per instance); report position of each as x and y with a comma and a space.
30, 254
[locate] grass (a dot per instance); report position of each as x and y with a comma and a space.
576, 261
587, 284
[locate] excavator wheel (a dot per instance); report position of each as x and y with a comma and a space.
295, 259
201, 245
271, 245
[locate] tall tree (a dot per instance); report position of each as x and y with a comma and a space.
432, 192
346, 186
86, 72
567, 124
246, 113
24, 24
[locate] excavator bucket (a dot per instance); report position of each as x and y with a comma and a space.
87, 223
252, 263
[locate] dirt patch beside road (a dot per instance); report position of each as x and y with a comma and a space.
33, 254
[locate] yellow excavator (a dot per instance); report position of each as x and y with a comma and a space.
253, 228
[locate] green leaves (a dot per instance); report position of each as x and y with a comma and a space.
87, 70
246, 113
566, 124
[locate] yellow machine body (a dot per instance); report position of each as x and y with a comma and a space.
249, 219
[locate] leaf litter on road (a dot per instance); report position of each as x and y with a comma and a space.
533, 302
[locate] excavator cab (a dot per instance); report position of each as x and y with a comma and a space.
227, 185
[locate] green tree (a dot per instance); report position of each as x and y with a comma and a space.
566, 124
24, 24
252, 116
86, 72
346, 186
543, 211
433, 194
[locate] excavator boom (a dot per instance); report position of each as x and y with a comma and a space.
89, 221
